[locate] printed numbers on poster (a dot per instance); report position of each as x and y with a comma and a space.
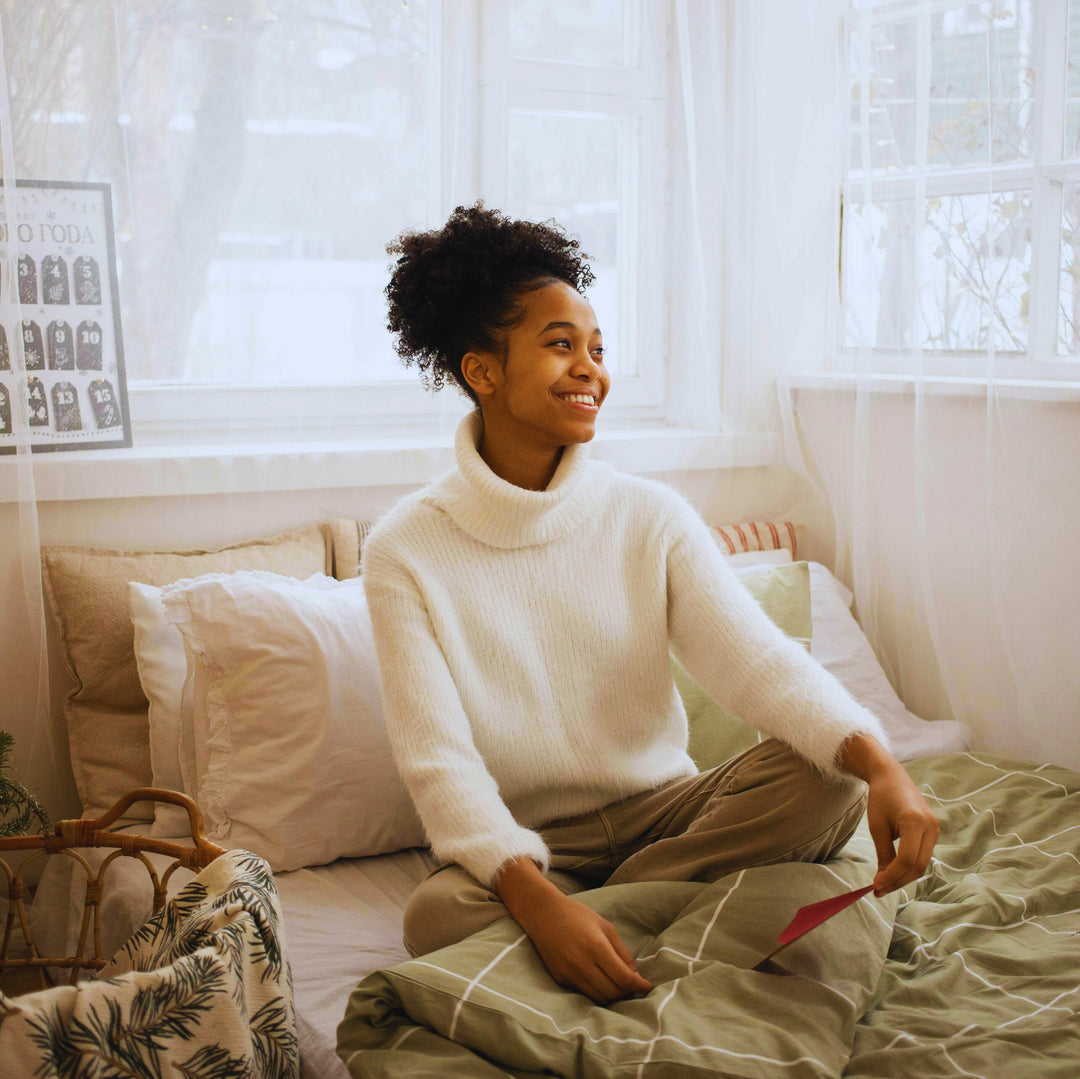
33, 350
61, 346
27, 281
87, 280
59, 264
103, 399
39, 408
54, 280
65, 401
88, 347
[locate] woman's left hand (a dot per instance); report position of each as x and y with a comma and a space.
903, 826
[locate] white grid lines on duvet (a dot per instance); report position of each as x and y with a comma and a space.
476, 981
1027, 920
1005, 775
659, 1026
1043, 1008
1015, 996
903, 1035
692, 959
614, 1037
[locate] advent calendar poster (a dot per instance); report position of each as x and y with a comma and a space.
60, 302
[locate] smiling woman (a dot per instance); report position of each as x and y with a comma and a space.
523, 609
495, 306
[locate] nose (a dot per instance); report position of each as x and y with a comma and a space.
585, 366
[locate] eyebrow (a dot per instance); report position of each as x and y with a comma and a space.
564, 326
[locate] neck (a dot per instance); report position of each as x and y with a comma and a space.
523, 465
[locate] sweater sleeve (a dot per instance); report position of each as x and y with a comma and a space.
457, 798
725, 640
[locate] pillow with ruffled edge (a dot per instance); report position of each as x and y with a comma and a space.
288, 748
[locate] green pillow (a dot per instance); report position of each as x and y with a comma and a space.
715, 734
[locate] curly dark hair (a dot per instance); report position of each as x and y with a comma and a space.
458, 288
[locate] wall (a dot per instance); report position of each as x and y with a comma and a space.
213, 520
964, 555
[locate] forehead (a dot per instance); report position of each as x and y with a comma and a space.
558, 302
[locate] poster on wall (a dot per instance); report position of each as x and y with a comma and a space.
59, 300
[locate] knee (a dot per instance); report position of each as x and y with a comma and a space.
820, 800
446, 908
427, 920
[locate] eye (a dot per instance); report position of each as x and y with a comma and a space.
598, 352
561, 342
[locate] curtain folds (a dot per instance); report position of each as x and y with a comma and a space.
852, 325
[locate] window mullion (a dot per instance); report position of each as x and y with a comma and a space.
456, 104
494, 101
1051, 29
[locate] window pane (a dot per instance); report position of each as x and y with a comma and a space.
260, 155
969, 270
1069, 299
569, 167
1072, 84
975, 261
879, 242
883, 64
981, 84
584, 32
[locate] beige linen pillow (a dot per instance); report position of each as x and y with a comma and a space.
106, 712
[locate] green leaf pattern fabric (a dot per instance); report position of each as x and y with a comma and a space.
202, 991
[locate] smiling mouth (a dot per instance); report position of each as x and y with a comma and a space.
582, 400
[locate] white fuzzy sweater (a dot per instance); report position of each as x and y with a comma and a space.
523, 645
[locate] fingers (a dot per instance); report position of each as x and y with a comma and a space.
631, 979
605, 972
917, 839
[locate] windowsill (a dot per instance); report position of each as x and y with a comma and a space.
1021, 389
207, 469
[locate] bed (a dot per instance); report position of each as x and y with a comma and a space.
972, 971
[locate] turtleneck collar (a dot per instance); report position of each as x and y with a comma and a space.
501, 514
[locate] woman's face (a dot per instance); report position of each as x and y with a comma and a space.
553, 381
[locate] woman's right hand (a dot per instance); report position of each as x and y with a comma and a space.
580, 949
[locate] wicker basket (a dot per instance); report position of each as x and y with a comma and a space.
70, 835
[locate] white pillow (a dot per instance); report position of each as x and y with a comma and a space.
289, 749
840, 646
779, 557
159, 654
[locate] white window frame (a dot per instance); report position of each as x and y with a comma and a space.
472, 85
1043, 177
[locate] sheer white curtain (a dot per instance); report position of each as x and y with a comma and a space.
260, 155
925, 353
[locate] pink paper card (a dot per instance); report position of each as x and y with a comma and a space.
813, 915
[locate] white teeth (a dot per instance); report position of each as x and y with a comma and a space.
579, 398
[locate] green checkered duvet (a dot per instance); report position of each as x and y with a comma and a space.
973, 971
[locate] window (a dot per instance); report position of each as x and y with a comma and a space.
262, 155
961, 187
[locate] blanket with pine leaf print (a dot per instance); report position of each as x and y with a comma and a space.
202, 990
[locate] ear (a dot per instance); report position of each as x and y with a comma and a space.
478, 370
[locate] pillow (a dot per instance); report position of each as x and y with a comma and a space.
162, 664
715, 734
779, 557
107, 710
289, 750
841, 647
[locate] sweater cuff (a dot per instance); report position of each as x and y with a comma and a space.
483, 857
